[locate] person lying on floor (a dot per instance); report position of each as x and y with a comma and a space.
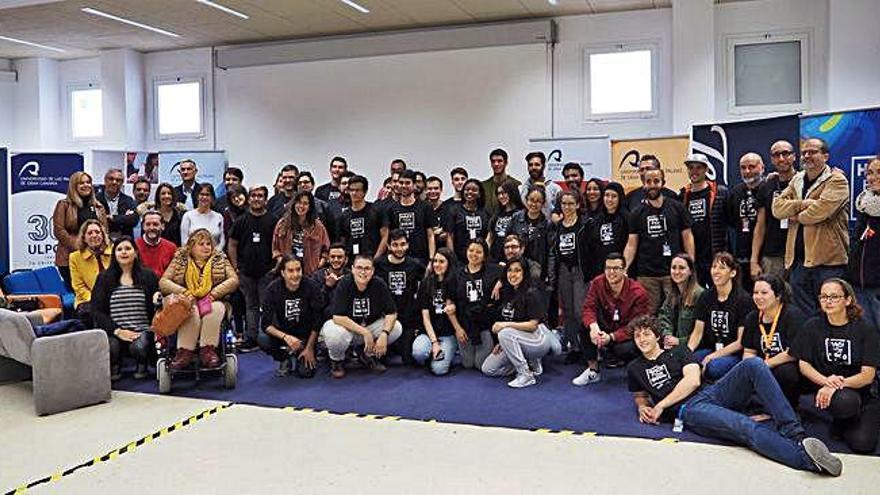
666, 385
292, 315
363, 313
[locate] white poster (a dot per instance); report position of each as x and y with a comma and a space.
592, 153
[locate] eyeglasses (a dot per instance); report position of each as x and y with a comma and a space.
832, 298
810, 152
614, 268
777, 154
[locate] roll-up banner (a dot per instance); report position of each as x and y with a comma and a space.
853, 139
4, 206
592, 153
726, 142
210, 164
671, 151
38, 181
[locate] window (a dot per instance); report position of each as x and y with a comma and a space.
620, 82
768, 73
179, 108
86, 112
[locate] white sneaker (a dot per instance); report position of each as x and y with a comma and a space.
522, 380
587, 377
536, 367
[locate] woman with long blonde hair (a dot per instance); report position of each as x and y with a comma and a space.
90, 259
70, 213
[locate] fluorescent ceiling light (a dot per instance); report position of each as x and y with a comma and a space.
552, 2
89, 10
29, 43
224, 8
356, 6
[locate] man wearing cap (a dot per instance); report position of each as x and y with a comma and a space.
705, 200
742, 215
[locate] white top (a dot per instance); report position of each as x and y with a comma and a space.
193, 221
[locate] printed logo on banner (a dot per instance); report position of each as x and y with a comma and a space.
44, 172
857, 180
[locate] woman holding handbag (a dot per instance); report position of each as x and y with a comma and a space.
205, 275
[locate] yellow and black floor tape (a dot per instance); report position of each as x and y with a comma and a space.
113, 454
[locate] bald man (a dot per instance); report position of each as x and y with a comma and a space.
771, 258
742, 215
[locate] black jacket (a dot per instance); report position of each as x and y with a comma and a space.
538, 241
104, 287
183, 198
864, 259
717, 214
122, 224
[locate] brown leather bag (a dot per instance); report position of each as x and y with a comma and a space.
176, 308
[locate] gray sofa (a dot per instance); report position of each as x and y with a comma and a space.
68, 371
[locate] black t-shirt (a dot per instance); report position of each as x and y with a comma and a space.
636, 197
837, 350
328, 192
296, 313
567, 243
659, 231
775, 235
659, 377
699, 209
465, 225
776, 342
606, 234
414, 220
364, 307
360, 230
473, 292
434, 300
721, 319
402, 280
520, 307
742, 216
441, 218
254, 236
500, 228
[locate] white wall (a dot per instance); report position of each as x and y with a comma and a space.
7, 107
435, 110
854, 61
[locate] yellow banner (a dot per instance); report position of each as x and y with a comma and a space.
671, 151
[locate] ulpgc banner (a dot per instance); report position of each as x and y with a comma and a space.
671, 151
853, 139
725, 143
590, 152
38, 181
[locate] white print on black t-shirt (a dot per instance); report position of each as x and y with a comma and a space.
656, 225
697, 209
838, 351
298, 246
292, 309
474, 224
501, 226
360, 307
507, 312
747, 208
397, 282
658, 376
606, 233
474, 290
775, 346
566, 243
438, 301
255, 237
356, 226
407, 221
720, 325
334, 195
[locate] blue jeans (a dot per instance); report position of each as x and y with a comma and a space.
869, 299
714, 412
717, 367
421, 352
805, 285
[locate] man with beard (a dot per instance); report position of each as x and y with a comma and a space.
141, 193
659, 228
155, 252
328, 277
332, 190
742, 216
705, 202
289, 176
772, 254
402, 274
411, 215
536, 162
637, 196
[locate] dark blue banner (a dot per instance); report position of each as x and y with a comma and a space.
725, 143
4, 218
44, 171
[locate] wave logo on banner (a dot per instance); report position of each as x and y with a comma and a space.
719, 155
592, 154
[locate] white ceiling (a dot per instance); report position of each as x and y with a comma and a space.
63, 25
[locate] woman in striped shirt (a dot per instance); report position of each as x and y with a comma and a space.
122, 304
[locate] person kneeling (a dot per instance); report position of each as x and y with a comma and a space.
363, 311
522, 340
438, 313
291, 317
666, 385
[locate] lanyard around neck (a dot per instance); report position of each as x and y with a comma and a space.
768, 337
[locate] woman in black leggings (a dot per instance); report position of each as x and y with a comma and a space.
839, 353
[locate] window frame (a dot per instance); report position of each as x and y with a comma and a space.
203, 120
71, 88
652, 46
733, 41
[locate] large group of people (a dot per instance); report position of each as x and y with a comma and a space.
709, 296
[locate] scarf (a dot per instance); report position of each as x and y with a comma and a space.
199, 282
868, 202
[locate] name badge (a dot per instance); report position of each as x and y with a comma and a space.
356, 249
745, 225
667, 250
783, 224
255, 238
719, 346
616, 316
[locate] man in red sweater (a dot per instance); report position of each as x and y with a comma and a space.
612, 302
154, 251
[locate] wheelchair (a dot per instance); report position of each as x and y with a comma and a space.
227, 370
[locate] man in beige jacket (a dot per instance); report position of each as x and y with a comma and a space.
816, 205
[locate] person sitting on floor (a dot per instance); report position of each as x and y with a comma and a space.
839, 354
204, 274
612, 302
666, 385
717, 336
676, 316
438, 310
292, 315
92, 258
522, 339
363, 312
769, 331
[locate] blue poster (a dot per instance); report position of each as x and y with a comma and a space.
210, 164
38, 181
4, 206
725, 143
853, 139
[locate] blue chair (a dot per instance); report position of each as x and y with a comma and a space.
46, 280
